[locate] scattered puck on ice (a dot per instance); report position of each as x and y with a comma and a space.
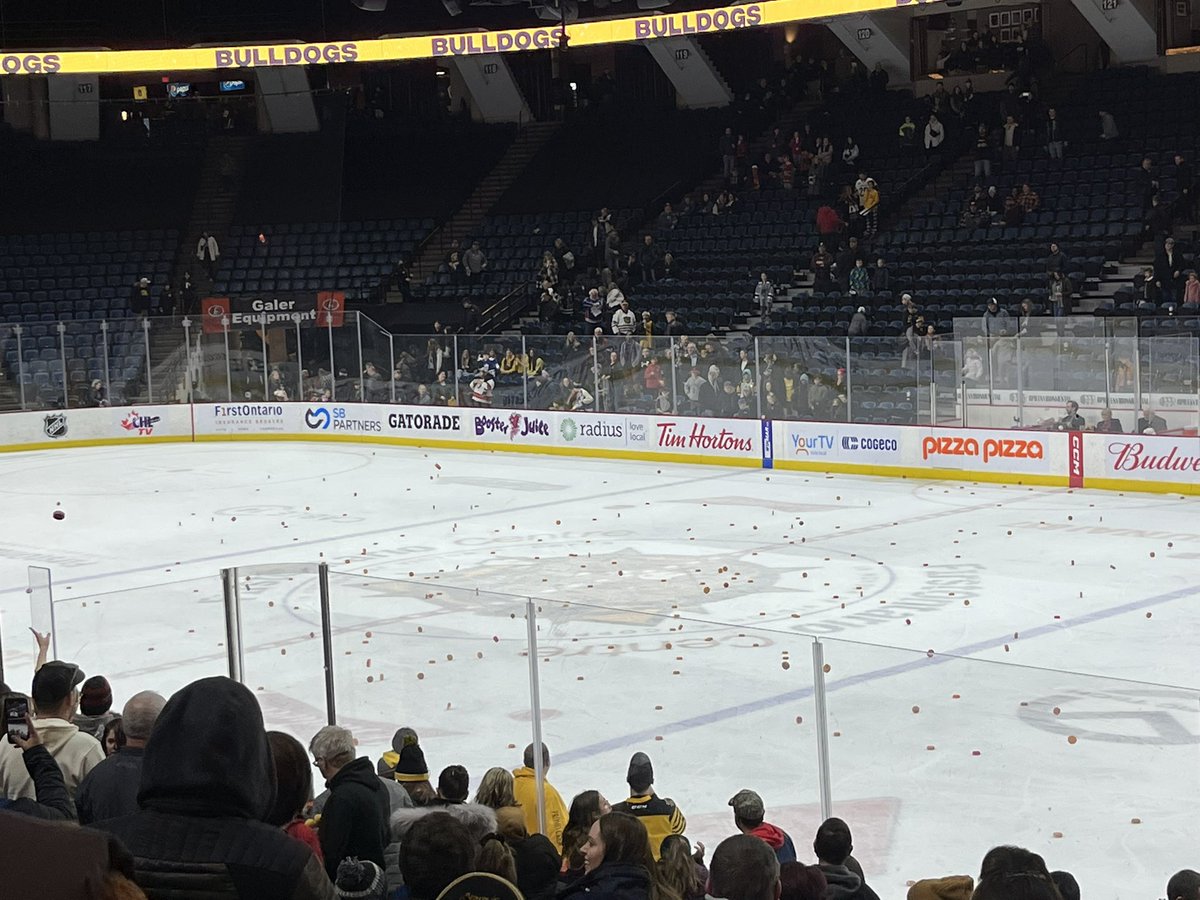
59, 514
828, 667
420, 676
1148, 615
437, 466
916, 709
786, 664
1056, 711
707, 589
929, 746
1135, 821
1058, 834
906, 621
1071, 739
976, 753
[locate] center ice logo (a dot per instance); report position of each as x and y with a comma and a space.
139, 424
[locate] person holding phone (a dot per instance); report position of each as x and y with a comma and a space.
50, 800
55, 697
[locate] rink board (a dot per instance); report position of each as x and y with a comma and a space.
1166, 464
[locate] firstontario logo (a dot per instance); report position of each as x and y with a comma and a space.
569, 430
318, 419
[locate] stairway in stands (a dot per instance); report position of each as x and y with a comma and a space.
471, 214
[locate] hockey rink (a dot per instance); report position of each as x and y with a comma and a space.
1003, 664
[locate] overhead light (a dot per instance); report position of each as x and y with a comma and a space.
454, 7
371, 5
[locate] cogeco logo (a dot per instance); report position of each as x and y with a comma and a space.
855, 442
992, 448
317, 419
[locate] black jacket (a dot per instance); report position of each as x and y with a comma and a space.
208, 780
53, 801
354, 821
610, 881
110, 790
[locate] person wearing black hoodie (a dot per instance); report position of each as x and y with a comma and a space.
354, 821
207, 783
833, 845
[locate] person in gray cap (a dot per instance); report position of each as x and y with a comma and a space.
660, 815
748, 814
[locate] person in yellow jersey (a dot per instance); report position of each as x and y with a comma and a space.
525, 790
660, 815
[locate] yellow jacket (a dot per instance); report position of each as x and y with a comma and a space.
525, 790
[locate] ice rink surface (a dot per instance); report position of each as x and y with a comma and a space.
1005, 664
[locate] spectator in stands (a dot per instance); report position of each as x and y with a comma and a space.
1168, 270
112, 738
1185, 183
850, 153
833, 846
764, 295
1150, 422
166, 301
973, 217
660, 815
96, 394
1004, 866
881, 279
1056, 260
453, 786
822, 160
525, 792
1070, 421
141, 301
995, 321
354, 818
617, 863
595, 244
50, 799
1191, 289
994, 203
858, 323
935, 134
470, 317
667, 220
1108, 127
207, 783
1056, 141
586, 809
474, 262
293, 790
869, 209
860, 277
612, 248
1010, 141
680, 870
209, 253
727, 147
802, 882
623, 320
110, 789
748, 816
984, 151
1107, 424
1184, 885
744, 868
1147, 182
1060, 291
187, 295
55, 700
1013, 213
436, 850
1028, 199
908, 134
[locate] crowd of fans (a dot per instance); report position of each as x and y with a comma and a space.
198, 799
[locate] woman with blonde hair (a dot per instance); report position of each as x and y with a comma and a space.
495, 791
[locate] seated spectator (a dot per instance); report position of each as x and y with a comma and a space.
667, 220
833, 846
659, 815
1028, 199
744, 868
934, 134
670, 267
1070, 421
908, 133
748, 815
207, 784
798, 881
1107, 424
973, 216
354, 818
110, 790
55, 700
1150, 422
1013, 214
436, 850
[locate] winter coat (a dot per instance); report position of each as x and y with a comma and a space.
93, 725
478, 819
110, 790
610, 881
858, 325
525, 790
777, 839
53, 801
844, 884
208, 780
76, 755
354, 821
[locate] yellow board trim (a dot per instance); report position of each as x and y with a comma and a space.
1152, 487
97, 442
924, 474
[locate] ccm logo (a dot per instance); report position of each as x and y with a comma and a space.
992, 448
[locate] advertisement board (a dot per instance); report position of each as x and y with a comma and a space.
50, 429
1142, 462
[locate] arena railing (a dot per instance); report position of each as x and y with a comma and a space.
1018, 380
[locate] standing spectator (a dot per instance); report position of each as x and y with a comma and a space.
829, 227
881, 278
996, 321
744, 868
207, 783
934, 134
764, 295
208, 252
860, 277
1185, 183
850, 153
525, 791
474, 262
1191, 290
667, 220
727, 147
1168, 270
869, 209
680, 870
95, 707
50, 799
748, 816
595, 243
858, 323
1010, 143
984, 151
623, 320
908, 134
55, 699
1060, 294
1055, 141
110, 790
612, 249
140, 303
822, 160
1108, 127
660, 815
1147, 182
187, 295
647, 259
833, 846
436, 850
1056, 260
293, 790
355, 816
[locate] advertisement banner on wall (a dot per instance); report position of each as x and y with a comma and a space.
733, 439
828, 441
984, 450
244, 418
1149, 458
105, 425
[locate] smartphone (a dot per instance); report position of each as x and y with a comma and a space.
15, 710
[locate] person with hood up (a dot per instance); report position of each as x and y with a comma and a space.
748, 814
525, 792
55, 697
354, 818
208, 783
833, 845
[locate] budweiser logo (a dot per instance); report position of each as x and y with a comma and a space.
1132, 456
701, 439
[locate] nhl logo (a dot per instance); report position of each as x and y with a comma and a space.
55, 425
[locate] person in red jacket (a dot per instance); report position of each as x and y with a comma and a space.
748, 814
829, 225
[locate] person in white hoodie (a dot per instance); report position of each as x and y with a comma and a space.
56, 697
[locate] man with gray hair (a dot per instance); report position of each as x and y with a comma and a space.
354, 821
110, 790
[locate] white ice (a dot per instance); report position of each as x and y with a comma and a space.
1050, 615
